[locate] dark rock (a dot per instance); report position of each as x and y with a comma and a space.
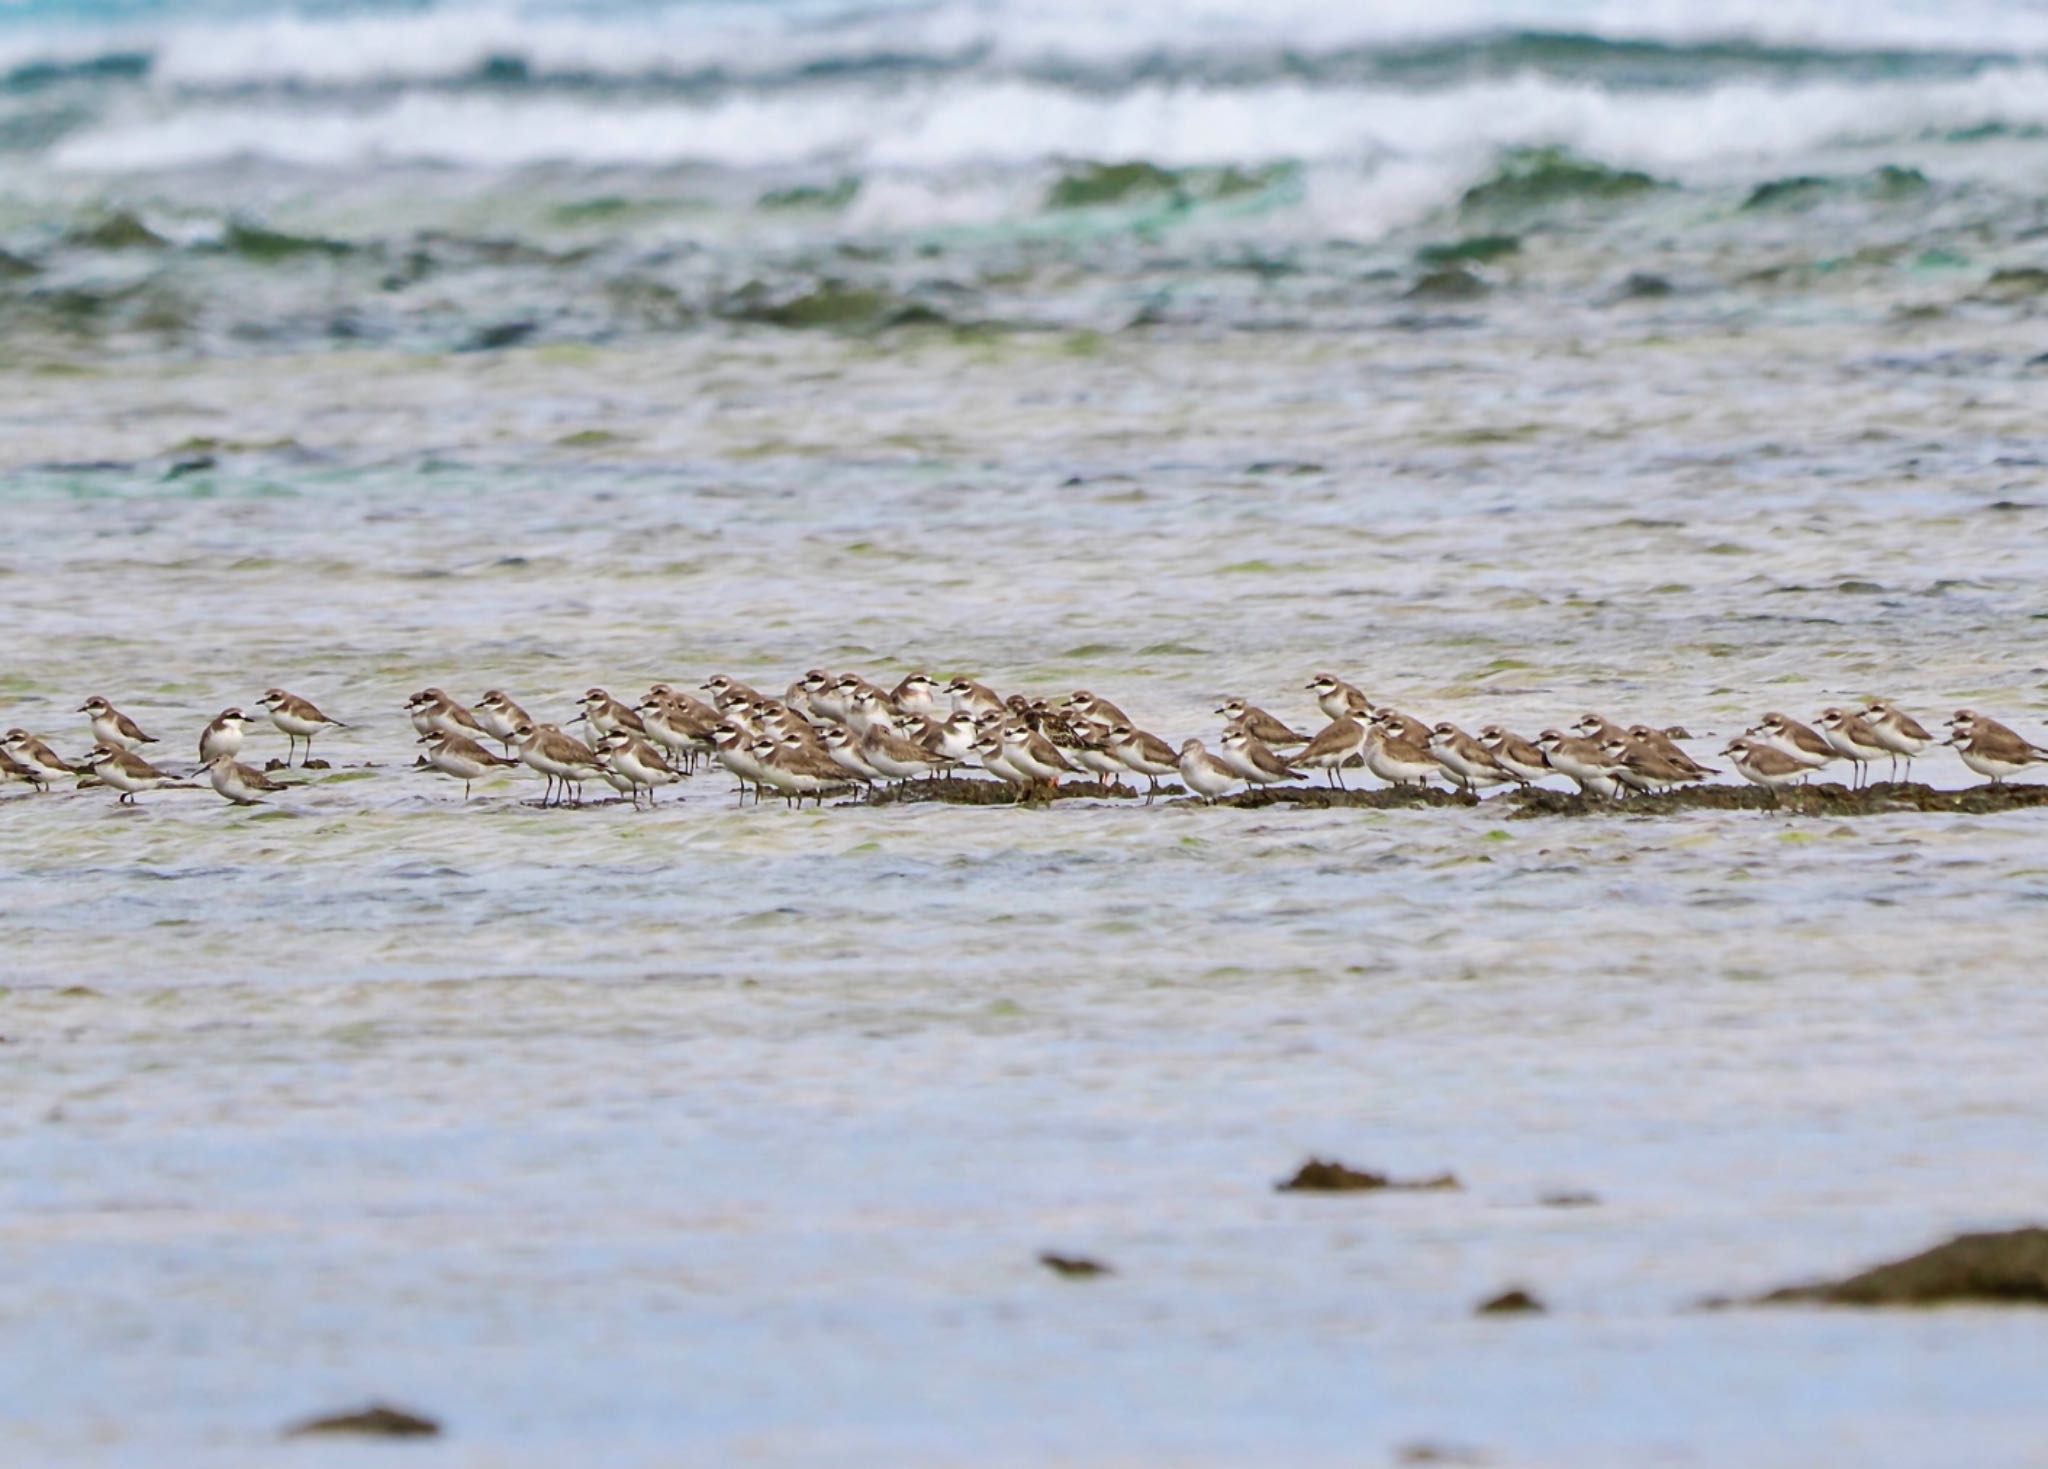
1453, 283
1328, 1176
1073, 1267
502, 334
2006, 1267
1642, 285
121, 230
1511, 1303
379, 1420
1565, 1199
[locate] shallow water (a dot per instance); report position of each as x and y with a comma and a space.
731, 1134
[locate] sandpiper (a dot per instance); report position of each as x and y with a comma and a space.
564, 760
298, 720
1338, 699
462, 757
113, 729
43, 766
1205, 775
1256, 721
238, 783
1470, 763
1853, 740
223, 736
128, 773
1336, 745
1765, 764
1899, 732
1990, 748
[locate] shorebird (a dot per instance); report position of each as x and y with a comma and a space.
238, 783
1665, 742
1584, 762
128, 773
918, 693
605, 714
298, 720
1990, 748
1338, 699
1518, 757
564, 760
433, 712
844, 746
1145, 753
1470, 763
1335, 745
1899, 732
1765, 765
223, 736
1256, 721
499, 716
41, 765
895, 758
1788, 736
1254, 760
1087, 745
461, 757
1036, 756
1643, 769
111, 728
725, 691
637, 762
1853, 740
973, 698
1395, 758
1096, 709
1205, 775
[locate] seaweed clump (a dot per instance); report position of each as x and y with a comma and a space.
379, 1420
1328, 1176
1538, 178
2005, 1267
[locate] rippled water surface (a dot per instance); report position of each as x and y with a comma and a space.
722, 1134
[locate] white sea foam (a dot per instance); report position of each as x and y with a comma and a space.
966, 122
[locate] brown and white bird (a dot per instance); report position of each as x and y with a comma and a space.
1145, 753
1257, 722
1096, 709
1338, 699
1765, 765
297, 719
1585, 762
606, 714
238, 783
1470, 763
917, 693
1788, 736
563, 759
895, 758
973, 698
128, 773
433, 712
1518, 757
725, 691
1641, 768
223, 737
1899, 732
1252, 758
499, 716
633, 759
1992, 749
1205, 775
1336, 745
1852, 739
1035, 755
462, 757
41, 765
1395, 758
113, 729
1665, 742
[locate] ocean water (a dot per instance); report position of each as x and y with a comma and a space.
1513, 360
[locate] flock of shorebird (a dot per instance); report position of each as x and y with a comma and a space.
828, 733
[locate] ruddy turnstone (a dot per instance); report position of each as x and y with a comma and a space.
238, 783
1335, 745
1205, 775
462, 757
1256, 721
113, 729
297, 719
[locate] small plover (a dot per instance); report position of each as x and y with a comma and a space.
1853, 740
433, 712
606, 715
1470, 763
499, 716
1402, 726
726, 690
1665, 742
1788, 736
1899, 732
1036, 756
1252, 758
563, 759
635, 760
844, 746
1518, 757
1338, 699
1096, 709
897, 758
1145, 753
223, 736
1641, 768
297, 719
918, 693
113, 729
1205, 775
1990, 748
42, 765
1336, 745
1395, 758
462, 757
1583, 762
238, 783
128, 773
973, 698
1764, 764
1256, 721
